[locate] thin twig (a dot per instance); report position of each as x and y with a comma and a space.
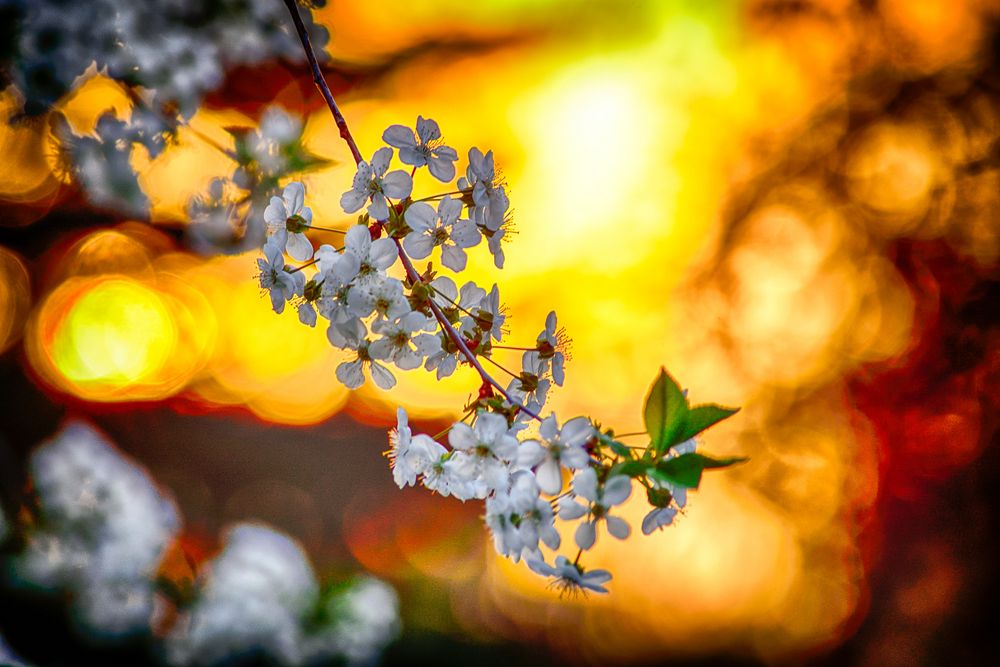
320, 82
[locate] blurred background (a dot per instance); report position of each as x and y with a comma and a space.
794, 206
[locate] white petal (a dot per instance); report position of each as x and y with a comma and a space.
530, 453
382, 254
427, 130
576, 431
412, 156
574, 457
569, 509
274, 214
454, 258
441, 168
397, 184
490, 426
352, 201
585, 484
445, 152
476, 162
558, 372
449, 209
465, 234
549, 477
381, 160
420, 216
381, 349
363, 177
446, 289
418, 245
350, 374
294, 196
549, 429
408, 359
586, 535
382, 376
617, 490
299, 247
378, 209
618, 527
307, 315
399, 136
461, 436
358, 241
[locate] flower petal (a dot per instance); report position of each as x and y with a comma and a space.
618, 527
381, 160
397, 184
382, 254
461, 436
585, 484
399, 136
586, 535
617, 490
299, 247
382, 376
549, 477
420, 216
441, 168
294, 196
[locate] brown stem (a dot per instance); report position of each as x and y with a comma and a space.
320, 82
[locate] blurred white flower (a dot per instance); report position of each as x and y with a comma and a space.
252, 598
103, 528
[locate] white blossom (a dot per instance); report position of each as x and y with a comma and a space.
103, 528
373, 257
253, 598
485, 450
382, 296
601, 498
442, 228
559, 448
351, 373
425, 148
281, 285
570, 576
548, 340
658, 517
401, 344
410, 455
371, 182
489, 197
287, 219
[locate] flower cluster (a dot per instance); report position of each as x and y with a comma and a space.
167, 55
503, 452
176, 50
102, 526
98, 530
261, 595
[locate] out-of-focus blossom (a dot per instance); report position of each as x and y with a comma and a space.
260, 597
102, 529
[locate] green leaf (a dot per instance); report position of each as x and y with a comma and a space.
629, 468
685, 470
699, 418
665, 412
